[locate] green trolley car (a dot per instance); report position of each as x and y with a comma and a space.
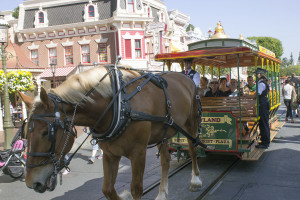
230, 124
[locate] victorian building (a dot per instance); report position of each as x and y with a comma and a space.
80, 34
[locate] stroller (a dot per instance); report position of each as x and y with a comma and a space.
12, 162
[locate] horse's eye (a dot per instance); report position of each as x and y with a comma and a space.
45, 133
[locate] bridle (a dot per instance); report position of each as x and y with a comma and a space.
53, 126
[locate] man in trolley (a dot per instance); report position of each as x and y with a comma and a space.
192, 74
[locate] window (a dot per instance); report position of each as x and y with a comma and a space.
52, 56
149, 12
162, 17
41, 17
35, 56
69, 55
91, 11
138, 50
85, 50
102, 52
166, 49
128, 49
130, 5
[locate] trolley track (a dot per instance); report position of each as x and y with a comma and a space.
204, 193
172, 173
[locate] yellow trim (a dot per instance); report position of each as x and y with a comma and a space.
211, 71
262, 62
256, 119
197, 56
219, 71
194, 66
203, 70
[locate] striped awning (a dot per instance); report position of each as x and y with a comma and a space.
59, 72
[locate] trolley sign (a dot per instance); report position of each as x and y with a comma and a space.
219, 129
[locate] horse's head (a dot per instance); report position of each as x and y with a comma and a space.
49, 139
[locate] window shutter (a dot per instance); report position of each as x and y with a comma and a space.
128, 49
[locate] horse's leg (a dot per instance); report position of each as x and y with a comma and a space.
138, 167
196, 182
165, 165
110, 168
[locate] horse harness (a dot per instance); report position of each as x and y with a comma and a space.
122, 116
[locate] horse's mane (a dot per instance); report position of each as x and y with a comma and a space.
76, 86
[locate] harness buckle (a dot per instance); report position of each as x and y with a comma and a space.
170, 122
139, 88
169, 104
198, 97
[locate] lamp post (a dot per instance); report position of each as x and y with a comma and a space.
53, 68
7, 125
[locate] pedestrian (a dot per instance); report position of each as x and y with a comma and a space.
94, 152
264, 109
192, 74
287, 92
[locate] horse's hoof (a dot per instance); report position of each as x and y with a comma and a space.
125, 195
195, 187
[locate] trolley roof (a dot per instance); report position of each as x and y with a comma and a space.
222, 52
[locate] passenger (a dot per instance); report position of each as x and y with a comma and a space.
287, 92
203, 86
214, 89
224, 90
192, 74
264, 109
250, 88
234, 88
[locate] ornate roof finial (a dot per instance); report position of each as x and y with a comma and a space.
219, 32
241, 37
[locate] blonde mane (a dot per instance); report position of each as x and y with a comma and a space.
76, 86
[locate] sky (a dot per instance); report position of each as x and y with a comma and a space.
271, 18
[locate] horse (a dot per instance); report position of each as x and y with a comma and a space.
48, 143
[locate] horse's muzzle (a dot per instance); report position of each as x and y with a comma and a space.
39, 187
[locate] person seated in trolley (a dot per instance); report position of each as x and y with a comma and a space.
224, 90
214, 89
192, 74
234, 88
250, 88
203, 86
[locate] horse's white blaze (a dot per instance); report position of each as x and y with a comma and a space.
196, 180
125, 195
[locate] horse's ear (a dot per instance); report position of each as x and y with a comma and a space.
27, 100
44, 97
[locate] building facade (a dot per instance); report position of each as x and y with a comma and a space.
85, 32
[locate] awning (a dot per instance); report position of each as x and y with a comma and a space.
60, 72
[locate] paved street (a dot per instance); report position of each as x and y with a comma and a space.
275, 175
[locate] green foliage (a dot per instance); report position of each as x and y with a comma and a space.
289, 70
17, 81
270, 43
2, 80
16, 12
284, 62
190, 27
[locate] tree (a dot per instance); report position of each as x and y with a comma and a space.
291, 61
190, 27
16, 13
289, 70
270, 43
284, 62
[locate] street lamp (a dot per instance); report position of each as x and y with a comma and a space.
53, 69
7, 125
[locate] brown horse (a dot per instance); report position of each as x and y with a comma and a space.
133, 141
